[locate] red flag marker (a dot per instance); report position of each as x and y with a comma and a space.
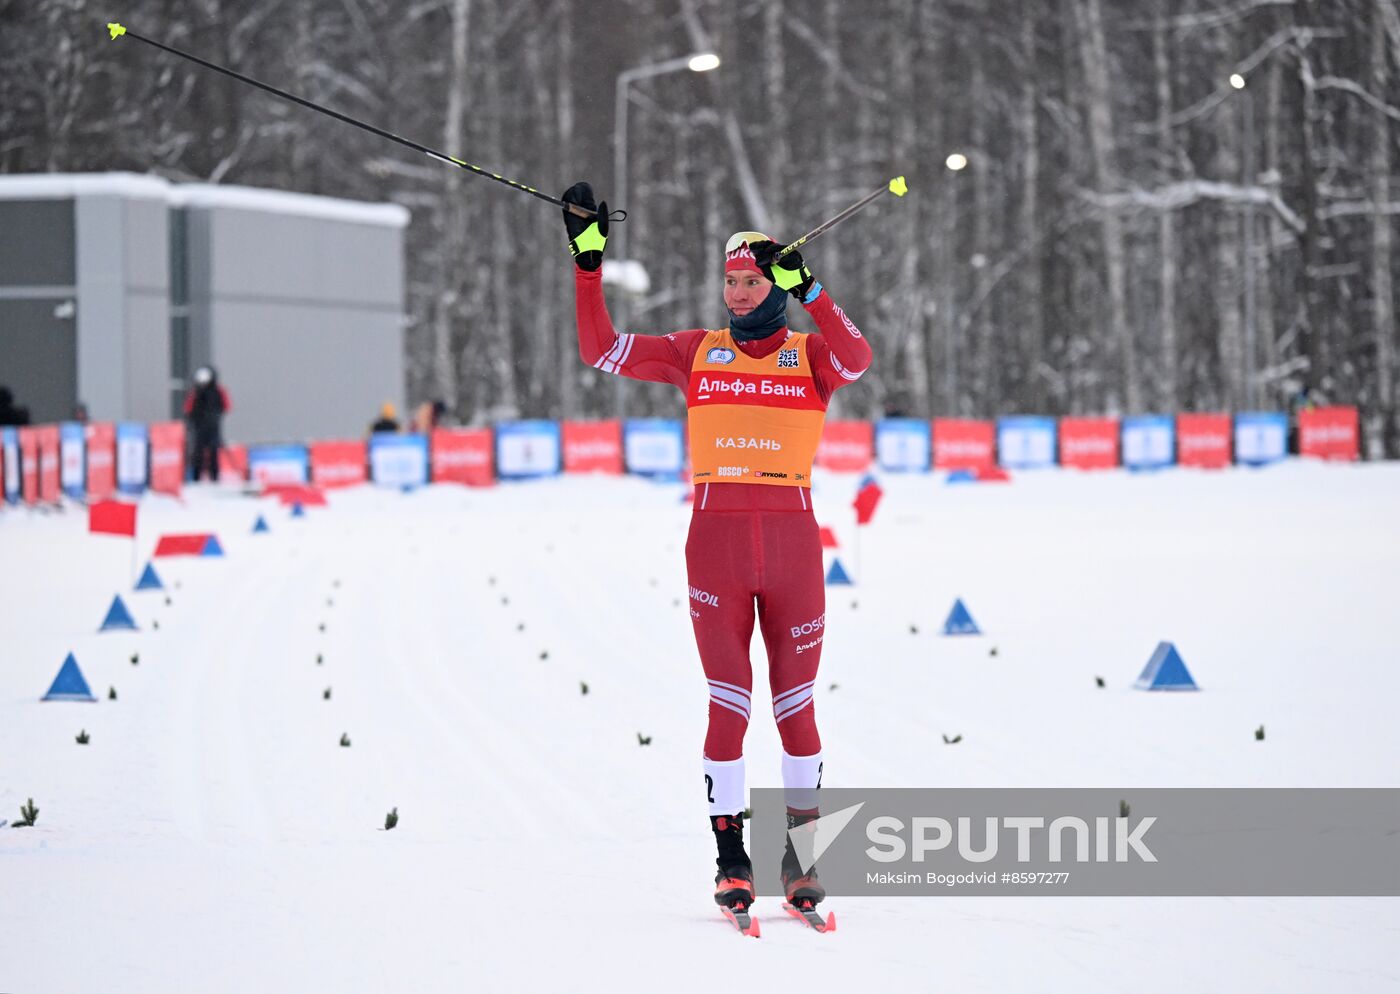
112, 517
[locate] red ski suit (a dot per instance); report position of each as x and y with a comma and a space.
750, 545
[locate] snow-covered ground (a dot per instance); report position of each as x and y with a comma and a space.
214, 836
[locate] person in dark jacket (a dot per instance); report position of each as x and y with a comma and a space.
205, 407
10, 414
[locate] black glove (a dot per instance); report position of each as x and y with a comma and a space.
790, 273
587, 236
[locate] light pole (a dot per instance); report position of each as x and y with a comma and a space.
1251, 385
956, 163
699, 62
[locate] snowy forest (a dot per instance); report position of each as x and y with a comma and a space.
1166, 204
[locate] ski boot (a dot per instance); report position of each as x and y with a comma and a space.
734, 881
802, 888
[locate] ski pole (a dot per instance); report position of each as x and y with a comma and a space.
897, 186
118, 31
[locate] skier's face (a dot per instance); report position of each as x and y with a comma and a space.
745, 289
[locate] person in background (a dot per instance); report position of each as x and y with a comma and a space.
388, 419
80, 413
428, 416
205, 407
10, 414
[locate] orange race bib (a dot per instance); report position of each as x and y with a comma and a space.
753, 420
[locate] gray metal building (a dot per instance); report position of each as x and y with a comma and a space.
115, 287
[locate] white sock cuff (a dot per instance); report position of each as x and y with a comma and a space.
725, 782
802, 775
802, 771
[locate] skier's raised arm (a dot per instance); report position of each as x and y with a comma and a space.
659, 359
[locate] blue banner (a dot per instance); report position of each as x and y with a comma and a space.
1026, 442
527, 449
653, 446
133, 448
278, 464
1261, 437
72, 459
9, 464
904, 445
399, 461
1149, 441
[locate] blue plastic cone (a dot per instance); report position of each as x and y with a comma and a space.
260, 525
69, 685
298, 511
1165, 671
212, 547
837, 575
150, 579
118, 617
960, 621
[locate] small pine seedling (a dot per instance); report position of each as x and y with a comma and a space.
833, 687
136, 659
326, 694
505, 601
953, 741
520, 627
155, 623
330, 602
83, 738
1098, 681
111, 693
320, 659
913, 629
345, 740
490, 581
323, 626
583, 688
675, 602
1259, 734
391, 819
335, 584
168, 602
28, 815
643, 739
1123, 809
854, 605
544, 654
993, 651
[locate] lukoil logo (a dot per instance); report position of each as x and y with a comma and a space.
704, 597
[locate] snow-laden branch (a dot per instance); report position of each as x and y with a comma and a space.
1211, 18
1175, 196
1223, 91
833, 63
1356, 90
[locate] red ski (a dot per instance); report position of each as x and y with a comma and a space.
808, 914
743, 921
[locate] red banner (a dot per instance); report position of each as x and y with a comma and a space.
233, 463
846, 446
962, 444
29, 464
592, 446
1329, 433
462, 455
1089, 443
1203, 440
338, 464
167, 440
50, 463
101, 460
